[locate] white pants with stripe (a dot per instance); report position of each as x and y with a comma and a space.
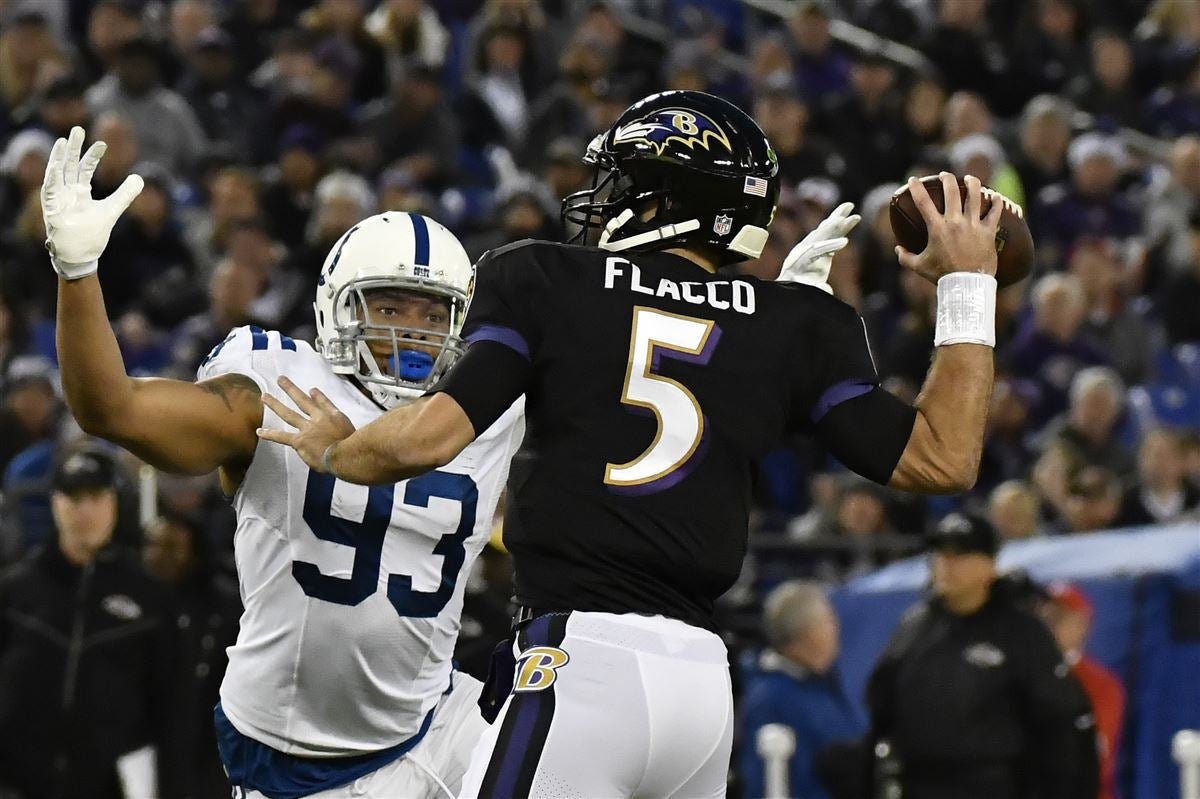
610, 706
434, 768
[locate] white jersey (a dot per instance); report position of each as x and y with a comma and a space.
352, 594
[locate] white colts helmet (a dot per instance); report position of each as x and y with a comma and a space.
392, 250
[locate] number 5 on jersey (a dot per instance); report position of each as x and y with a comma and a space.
657, 335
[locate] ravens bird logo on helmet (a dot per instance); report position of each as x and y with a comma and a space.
667, 125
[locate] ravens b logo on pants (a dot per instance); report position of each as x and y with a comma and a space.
538, 668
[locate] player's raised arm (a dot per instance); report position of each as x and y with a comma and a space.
936, 446
946, 444
174, 425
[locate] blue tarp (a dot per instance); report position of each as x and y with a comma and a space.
1144, 584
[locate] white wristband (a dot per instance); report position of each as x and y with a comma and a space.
966, 309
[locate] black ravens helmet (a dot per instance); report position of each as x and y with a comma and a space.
699, 163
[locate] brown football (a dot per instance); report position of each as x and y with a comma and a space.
1014, 244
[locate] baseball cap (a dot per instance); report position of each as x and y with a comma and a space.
84, 470
1070, 597
964, 533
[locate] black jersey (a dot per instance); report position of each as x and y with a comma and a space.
652, 388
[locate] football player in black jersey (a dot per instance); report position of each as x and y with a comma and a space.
653, 382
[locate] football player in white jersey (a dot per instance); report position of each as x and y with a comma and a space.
341, 681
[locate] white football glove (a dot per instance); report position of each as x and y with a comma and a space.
810, 261
78, 227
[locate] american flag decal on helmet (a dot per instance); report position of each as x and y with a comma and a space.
755, 186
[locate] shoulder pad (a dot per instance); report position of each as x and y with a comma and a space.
526, 248
251, 351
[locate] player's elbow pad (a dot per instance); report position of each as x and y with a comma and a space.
868, 433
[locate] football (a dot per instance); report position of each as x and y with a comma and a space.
1014, 244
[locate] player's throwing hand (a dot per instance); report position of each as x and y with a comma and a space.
959, 241
319, 424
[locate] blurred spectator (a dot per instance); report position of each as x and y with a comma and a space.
167, 130
78, 719
232, 289
21, 169
31, 406
793, 682
413, 129
784, 116
881, 272
868, 123
1047, 53
1161, 494
147, 254
963, 51
204, 608
981, 155
966, 113
187, 22
524, 210
1108, 90
289, 184
822, 70
1174, 205
860, 517
254, 24
233, 198
30, 58
123, 152
230, 112
924, 112
1050, 347
1093, 500
410, 34
1018, 724
565, 171
1124, 335
1190, 441
61, 106
540, 35
568, 108
1051, 475
636, 60
1045, 134
111, 24
1068, 613
1181, 293
905, 350
285, 302
341, 22
1006, 450
497, 99
1014, 510
1090, 205
1174, 109
1090, 426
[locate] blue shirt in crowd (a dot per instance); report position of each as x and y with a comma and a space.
814, 706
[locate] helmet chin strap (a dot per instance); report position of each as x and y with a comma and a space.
620, 220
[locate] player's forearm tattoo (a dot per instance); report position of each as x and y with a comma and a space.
226, 386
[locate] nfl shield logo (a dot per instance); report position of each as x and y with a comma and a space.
722, 224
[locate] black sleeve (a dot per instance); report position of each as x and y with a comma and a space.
507, 300
1060, 726
868, 432
487, 379
831, 359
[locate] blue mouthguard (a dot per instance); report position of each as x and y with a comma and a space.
411, 365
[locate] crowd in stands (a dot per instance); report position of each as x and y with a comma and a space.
265, 128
